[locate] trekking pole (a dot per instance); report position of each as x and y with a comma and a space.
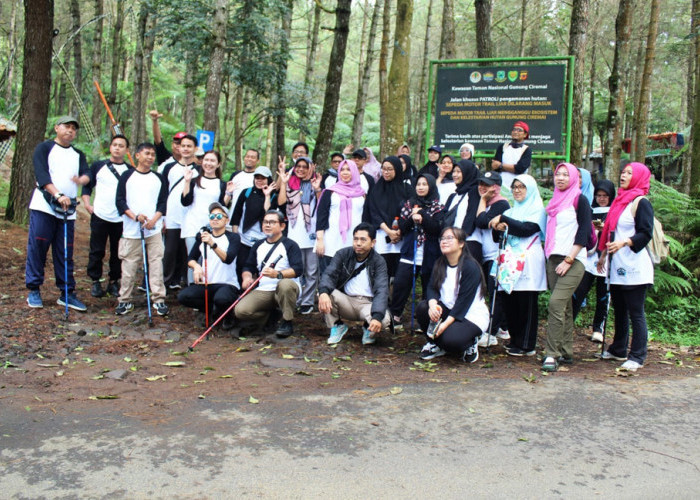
413, 287
607, 291
65, 260
230, 308
206, 289
145, 273
501, 248
116, 128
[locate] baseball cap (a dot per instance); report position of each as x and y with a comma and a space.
435, 147
359, 153
218, 205
491, 178
67, 119
262, 170
179, 136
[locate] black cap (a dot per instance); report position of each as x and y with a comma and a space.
436, 148
218, 205
491, 178
359, 153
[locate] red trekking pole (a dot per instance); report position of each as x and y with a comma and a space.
247, 290
206, 289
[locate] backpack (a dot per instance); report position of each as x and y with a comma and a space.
658, 246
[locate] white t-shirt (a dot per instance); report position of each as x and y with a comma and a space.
332, 239
174, 175
104, 202
359, 285
196, 215
628, 267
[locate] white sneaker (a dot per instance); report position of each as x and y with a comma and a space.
609, 355
596, 337
431, 351
486, 341
630, 366
503, 334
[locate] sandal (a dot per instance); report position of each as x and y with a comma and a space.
550, 364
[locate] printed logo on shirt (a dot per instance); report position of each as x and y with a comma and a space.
621, 271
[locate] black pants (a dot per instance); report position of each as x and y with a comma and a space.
499, 319
100, 231
457, 337
521, 312
174, 258
628, 302
475, 250
221, 296
392, 261
601, 303
403, 286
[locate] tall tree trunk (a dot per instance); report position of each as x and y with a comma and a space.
137, 133
77, 53
447, 37
577, 48
645, 90
694, 181
383, 65
237, 132
613, 128
34, 104
423, 88
215, 79
363, 87
326, 126
10, 82
189, 111
117, 26
280, 104
483, 28
523, 26
312, 49
148, 45
591, 109
535, 31
398, 75
690, 95
635, 82
97, 66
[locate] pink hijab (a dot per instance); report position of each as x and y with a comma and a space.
372, 167
561, 201
347, 191
498, 196
639, 186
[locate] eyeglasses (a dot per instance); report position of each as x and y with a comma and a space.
518, 187
387, 169
518, 129
216, 216
446, 238
299, 151
270, 222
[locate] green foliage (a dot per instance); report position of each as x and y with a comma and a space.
677, 322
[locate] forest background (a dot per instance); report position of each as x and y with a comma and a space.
266, 73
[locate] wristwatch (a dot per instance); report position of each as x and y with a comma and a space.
569, 260
214, 245
280, 276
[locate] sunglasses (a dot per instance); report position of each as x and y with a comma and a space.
216, 216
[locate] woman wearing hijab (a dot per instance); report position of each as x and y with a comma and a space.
466, 151
461, 206
604, 196
372, 167
492, 203
382, 210
586, 184
409, 170
568, 230
339, 211
420, 222
249, 212
627, 231
300, 189
526, 223
445, 183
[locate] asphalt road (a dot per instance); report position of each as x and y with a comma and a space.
558, 438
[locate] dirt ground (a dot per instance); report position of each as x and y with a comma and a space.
46, 361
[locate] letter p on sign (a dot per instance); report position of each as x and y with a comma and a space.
205, 139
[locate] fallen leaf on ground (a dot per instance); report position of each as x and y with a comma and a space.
156, 377
287, 356
396, 390
174, 363
105, 396
252, 400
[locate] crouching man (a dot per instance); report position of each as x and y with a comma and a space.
216, 275
278, 287
355, 287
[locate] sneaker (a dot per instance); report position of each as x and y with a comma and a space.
503, 334
596, 337
113, 288
471, 354
161, 309
518, 352
73, 302
337, 333
549, 364
565, 361
285, 329
367, 337
608, 355
431, 351
123, 308
487, 340
306, 310
96, 290
174, 286
34, 299
630, 366
141, 287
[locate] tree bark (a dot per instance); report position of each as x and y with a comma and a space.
523, 25
645, 88
215, 79
77, 53
116, 52
34, 104
694, 181
613, 128
190, 84
690, 95
398, 75
363, 87
577, 48
137, 134
280, 105
97, 66
237, 133
591, 109
149, 44
423, 88
483, 28
383, 65
9, 84
535, 33
447, 37
312, 49
326, 126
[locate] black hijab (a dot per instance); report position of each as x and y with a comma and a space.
470, 176
427, 200
255, 206
385, 198
606, 186
410, 173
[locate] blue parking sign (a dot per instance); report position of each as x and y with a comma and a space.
205, 139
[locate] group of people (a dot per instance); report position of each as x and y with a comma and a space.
257, 249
